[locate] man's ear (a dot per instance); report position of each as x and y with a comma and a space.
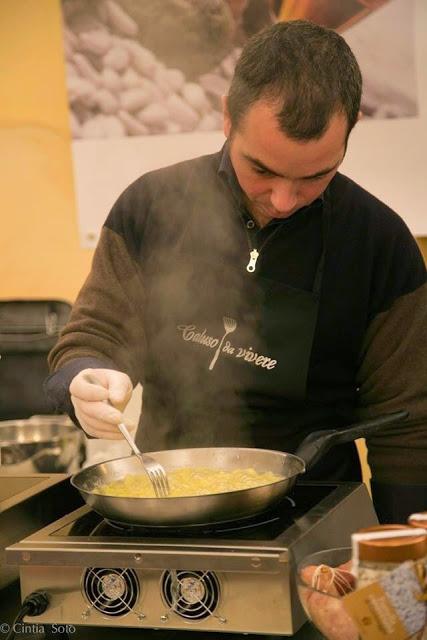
359, 116
226, 117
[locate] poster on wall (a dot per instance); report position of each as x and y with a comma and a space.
146, 78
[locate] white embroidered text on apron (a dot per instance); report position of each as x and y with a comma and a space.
191, 334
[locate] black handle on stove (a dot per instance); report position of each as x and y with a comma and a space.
318, 443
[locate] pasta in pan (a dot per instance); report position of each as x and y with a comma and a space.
188, 482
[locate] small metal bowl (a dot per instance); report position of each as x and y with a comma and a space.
41, 444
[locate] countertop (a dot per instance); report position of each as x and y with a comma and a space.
10, 602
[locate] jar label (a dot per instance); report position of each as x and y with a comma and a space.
392, 608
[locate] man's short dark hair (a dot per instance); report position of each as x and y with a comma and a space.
309, 71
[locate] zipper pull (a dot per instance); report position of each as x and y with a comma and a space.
252, 262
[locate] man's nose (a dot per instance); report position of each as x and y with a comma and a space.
283, 196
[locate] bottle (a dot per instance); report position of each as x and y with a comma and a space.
374, 557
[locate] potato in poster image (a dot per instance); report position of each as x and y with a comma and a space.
149, 67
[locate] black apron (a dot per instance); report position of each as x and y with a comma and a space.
225, 347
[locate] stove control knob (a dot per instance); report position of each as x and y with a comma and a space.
164, 617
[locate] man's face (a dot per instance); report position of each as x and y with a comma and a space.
278, 174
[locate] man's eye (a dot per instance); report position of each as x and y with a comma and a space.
314, 178
261, 172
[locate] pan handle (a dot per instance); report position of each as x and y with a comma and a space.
318, 443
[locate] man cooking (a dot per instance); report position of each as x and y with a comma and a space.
257, 294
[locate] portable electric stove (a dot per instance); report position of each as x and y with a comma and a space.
235, 577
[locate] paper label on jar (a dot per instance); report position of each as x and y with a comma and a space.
391, 608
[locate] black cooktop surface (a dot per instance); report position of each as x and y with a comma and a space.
265, 526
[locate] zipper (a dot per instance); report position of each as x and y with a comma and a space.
253, 257
255, 252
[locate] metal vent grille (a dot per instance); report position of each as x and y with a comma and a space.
113, 592
193, 595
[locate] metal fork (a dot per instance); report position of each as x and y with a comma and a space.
229, 326
153, 469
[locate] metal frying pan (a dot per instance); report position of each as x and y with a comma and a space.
218, 507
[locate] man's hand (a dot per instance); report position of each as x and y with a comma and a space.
90, 390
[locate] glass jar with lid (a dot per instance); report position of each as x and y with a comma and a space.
377, 555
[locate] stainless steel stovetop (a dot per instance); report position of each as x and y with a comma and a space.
224, 578
27, 503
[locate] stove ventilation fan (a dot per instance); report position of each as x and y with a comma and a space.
193, 595
113, 592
